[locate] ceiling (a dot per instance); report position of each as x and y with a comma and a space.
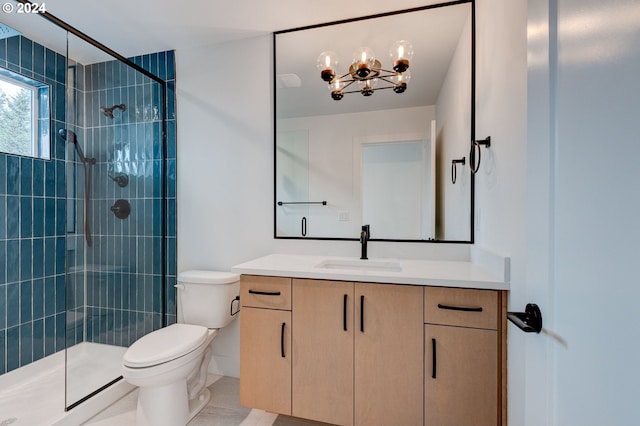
132, 28
434, 34
144, 26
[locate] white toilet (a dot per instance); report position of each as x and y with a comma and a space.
170, 365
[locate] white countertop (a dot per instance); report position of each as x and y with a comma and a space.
411, 271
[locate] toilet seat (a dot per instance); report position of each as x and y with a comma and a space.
164, 345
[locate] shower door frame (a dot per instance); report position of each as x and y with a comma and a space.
164, 208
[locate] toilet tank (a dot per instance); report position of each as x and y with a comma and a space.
205, 297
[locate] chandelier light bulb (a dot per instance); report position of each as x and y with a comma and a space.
401, 53
335, 87
363, 62
327, 64
368, 86
400, 81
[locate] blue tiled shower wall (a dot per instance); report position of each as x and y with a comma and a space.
113, 288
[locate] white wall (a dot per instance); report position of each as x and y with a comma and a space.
501, 182
453, 121
225, 164
332, 162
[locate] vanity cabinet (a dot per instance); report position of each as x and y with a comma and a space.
463, 361
265, 343
357, 352
354, 353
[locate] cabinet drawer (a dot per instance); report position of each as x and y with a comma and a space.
265, 292
461, 307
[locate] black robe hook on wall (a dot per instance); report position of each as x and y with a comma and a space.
475, 146
453, 168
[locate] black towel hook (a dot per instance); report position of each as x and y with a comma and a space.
453, 168
529, 321
475, 146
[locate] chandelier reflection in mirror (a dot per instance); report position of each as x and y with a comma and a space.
366, 71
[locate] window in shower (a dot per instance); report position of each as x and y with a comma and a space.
24, 116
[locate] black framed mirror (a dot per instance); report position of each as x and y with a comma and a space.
383, 157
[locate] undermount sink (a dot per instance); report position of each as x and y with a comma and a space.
360, 265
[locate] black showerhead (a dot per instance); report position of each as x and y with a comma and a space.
108, 112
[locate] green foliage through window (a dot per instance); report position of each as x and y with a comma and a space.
19, 116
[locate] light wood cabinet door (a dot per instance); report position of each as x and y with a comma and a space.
265, 359
388, 355
461, 376
323, 351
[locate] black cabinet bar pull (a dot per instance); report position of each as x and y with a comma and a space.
433, 360
304, 226
344, 313
460, 308
282, 341
362, 313
265, 293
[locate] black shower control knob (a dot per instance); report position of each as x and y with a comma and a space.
122, 209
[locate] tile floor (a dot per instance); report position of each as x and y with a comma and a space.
223, 409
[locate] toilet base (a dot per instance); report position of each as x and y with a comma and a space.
198, 403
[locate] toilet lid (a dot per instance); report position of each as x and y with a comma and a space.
164, 345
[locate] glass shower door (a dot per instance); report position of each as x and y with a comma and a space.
115, 213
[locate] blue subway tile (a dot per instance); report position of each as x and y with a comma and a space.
13, 348
49, 296
13, 261
60, 294
3, 51
38, 339
60, 179
3, 358
49, 335
3, 265
3, 310
60, 252
26, 343
49, 217
60, 331
26, 302
26, 259
26, 176
38, 257
50, 64
61, 216
13, 217
13, 50
38, 178
13, 175
38, 59
26, 217
38, 217
26, 53
50, 178
171, 65
3, 217
61, 68
3, 172
38, 298
13, 304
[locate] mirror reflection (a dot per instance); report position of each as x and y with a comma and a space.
375, 147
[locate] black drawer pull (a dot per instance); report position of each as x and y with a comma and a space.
460, 308
265, 293
344, 313
362, 313
282, 341
433, 360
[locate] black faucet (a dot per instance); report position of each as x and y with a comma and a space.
364, 237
